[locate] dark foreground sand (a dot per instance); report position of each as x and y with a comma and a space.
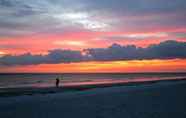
158, 100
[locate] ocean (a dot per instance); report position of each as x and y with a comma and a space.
13, 80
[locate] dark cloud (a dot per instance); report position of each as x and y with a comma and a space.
53, 57
136, 7
6, 3
63, 56
165, 50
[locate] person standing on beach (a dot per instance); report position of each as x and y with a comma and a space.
57, 82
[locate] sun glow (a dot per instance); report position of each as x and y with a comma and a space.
70, 43
2, 53
173, 65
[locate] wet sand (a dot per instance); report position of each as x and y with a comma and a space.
8, 92
165, 99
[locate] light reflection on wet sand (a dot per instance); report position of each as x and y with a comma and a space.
66, 83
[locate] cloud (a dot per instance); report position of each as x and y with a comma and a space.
136, 36
165, 50
53, 57
22, 17
84, 20
70, 43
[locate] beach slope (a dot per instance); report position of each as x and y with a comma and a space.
159, 100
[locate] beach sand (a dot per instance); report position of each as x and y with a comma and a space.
151, 100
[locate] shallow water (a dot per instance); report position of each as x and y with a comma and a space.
48, 80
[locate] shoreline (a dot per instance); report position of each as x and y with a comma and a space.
157, 100
10, 92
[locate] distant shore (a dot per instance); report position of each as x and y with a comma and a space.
8, 92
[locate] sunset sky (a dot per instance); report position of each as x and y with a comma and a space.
92, 36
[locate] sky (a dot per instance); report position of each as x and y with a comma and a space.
92, 36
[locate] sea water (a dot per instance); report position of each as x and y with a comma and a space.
13, 80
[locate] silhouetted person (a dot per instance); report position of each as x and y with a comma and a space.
57, 82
